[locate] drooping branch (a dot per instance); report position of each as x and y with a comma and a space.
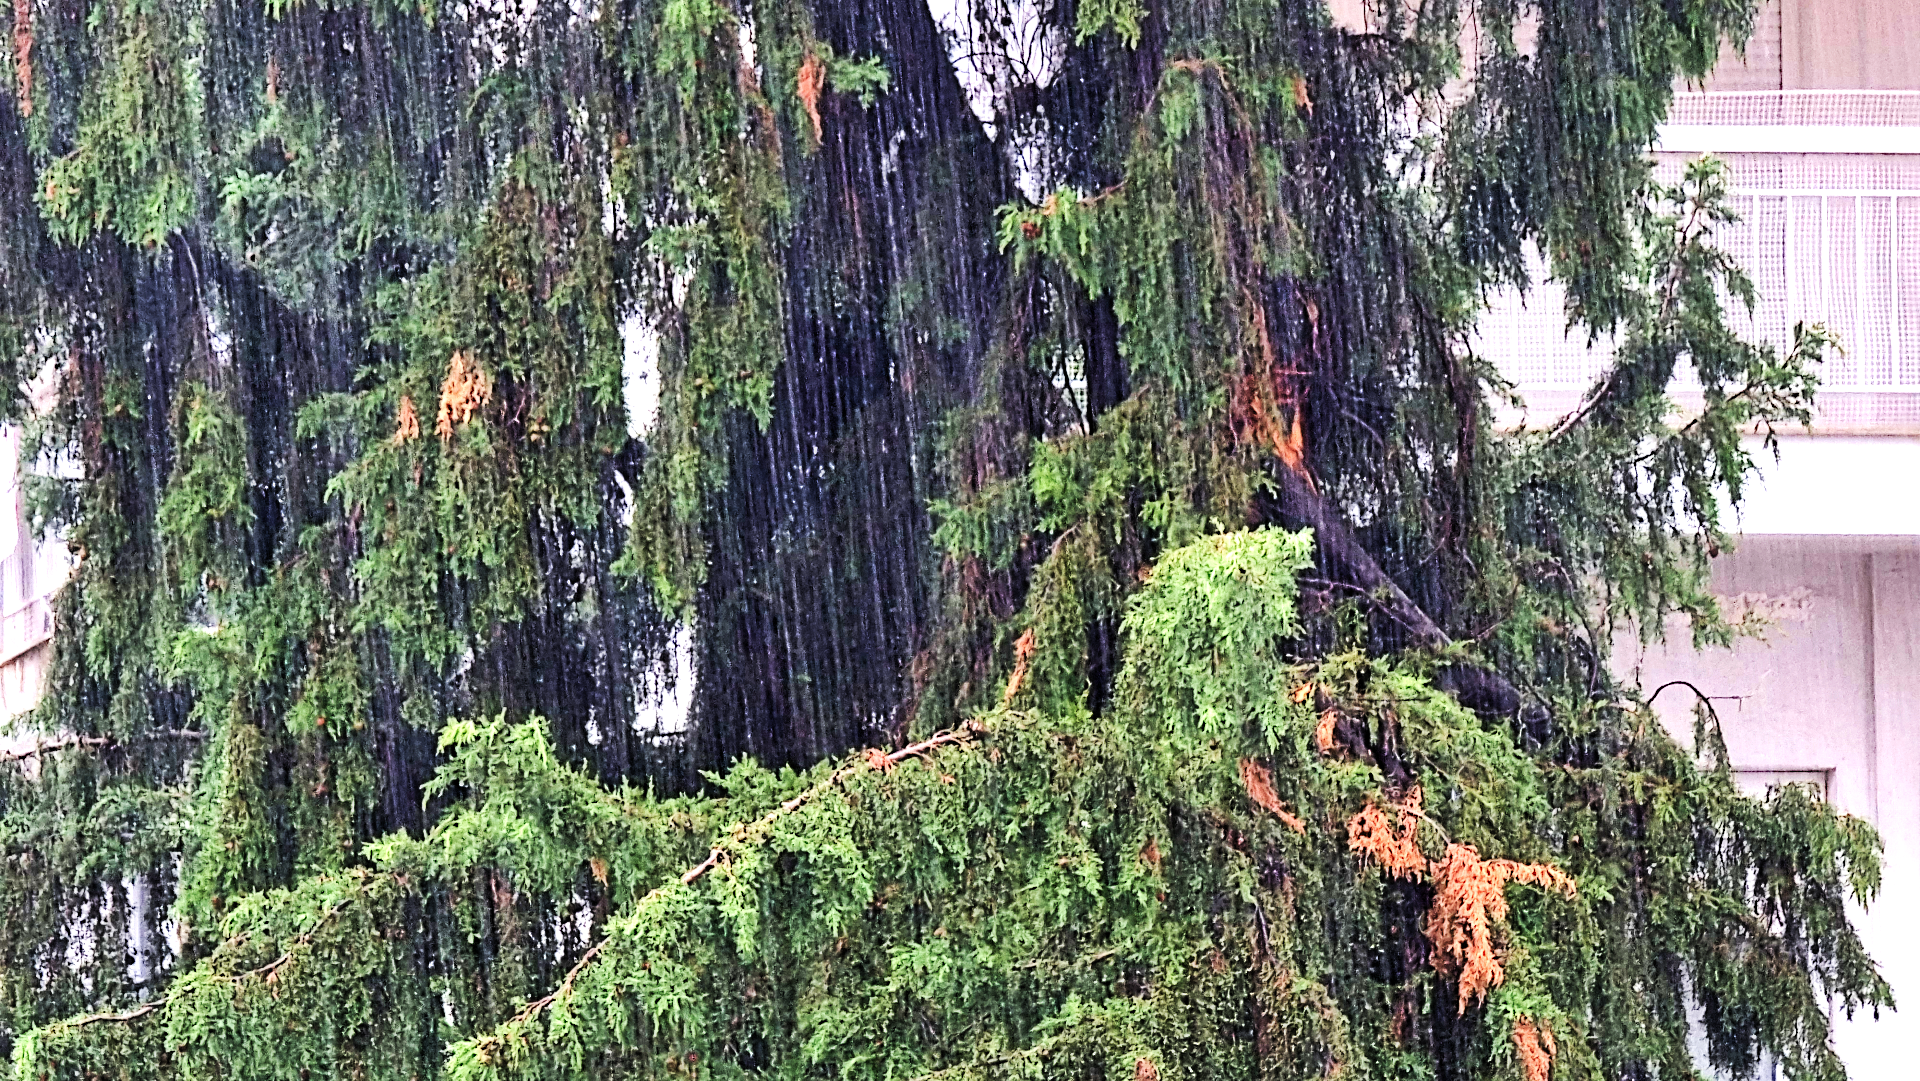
872, 759
265, 971
1347, 560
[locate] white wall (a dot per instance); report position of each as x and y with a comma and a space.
1836, 485
1834, 692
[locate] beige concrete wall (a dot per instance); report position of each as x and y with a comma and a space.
21, 680
1759, 67
1850, 45
1833, 691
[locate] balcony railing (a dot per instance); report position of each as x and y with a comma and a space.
1827, 236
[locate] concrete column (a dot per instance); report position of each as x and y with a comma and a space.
1883, 1051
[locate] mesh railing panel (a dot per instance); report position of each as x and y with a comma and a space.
1852, 108
1826, 238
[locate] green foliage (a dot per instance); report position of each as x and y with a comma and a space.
868, 78
1181, 251
1122, 15
204, 513
1207, 635
339, 303
718, 203
1648, 534
132, 164
1044, 894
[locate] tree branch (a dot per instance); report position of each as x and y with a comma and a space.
1479, 689
872, 759
67, 742
265, 970
1684, 238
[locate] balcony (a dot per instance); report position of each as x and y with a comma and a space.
1827, 184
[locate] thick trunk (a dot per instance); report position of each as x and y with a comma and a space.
817, 595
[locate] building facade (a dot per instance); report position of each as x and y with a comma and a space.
1819, 123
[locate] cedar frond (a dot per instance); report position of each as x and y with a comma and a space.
1323, 732
23, 55
1022, 656
810, 82
1535, 1046
1469, 900
1258, 781
406, 422
1396, 850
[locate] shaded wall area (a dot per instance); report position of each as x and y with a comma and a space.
1829, 696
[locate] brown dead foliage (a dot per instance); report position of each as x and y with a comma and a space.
465, 390
1022, 656
1535, 1046
1470, 893
1151, 853
810, 82
1258, 781
1323, 732
1396, 849
1265, 405
1470, 898
23, 54
406, 422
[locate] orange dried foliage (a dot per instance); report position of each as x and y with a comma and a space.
23, 54
1022, 656
1143, 1070
406, 422
1535, 1046
1395, 849
465, 390
810, 82
1470, 896
1151, 853
1265, 405
1258, 780
1303, 693
1292, 447
1323, 732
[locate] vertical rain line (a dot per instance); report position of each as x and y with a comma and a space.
1893, 279
1826, 263
1753, 261
1793, 298
1860, 280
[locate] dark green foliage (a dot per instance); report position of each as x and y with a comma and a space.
1035, 894
337, 305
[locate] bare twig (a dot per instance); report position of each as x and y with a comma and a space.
1669, 290
69, 742
1697, 693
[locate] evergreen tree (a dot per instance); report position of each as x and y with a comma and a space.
1069, 403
